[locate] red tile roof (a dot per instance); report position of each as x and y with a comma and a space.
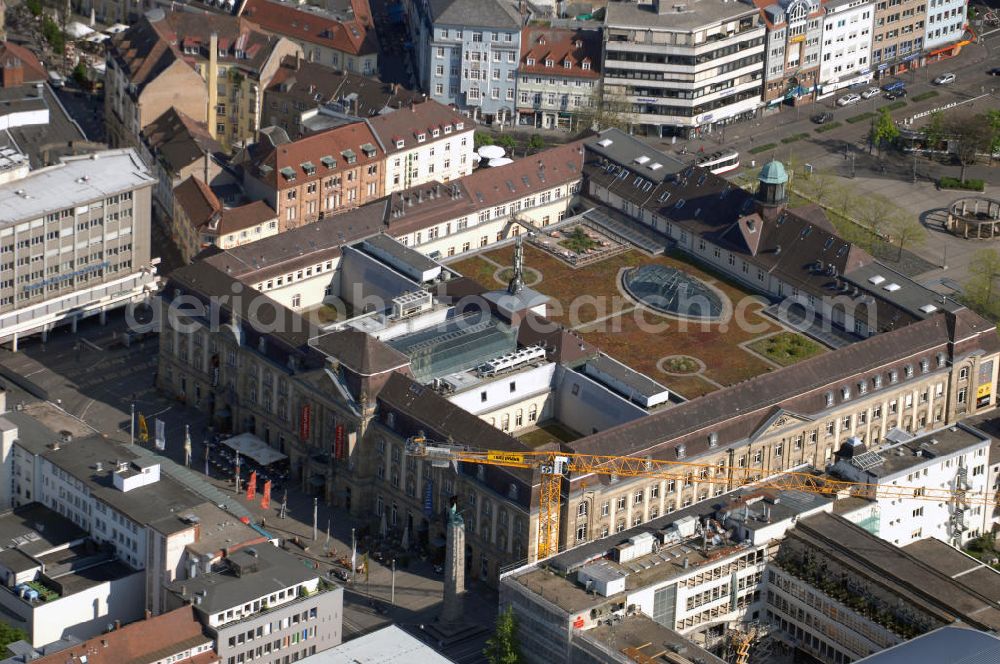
141, 642
561, 45
245, 216
11, 55
298, 155
423, 118
197, 200
354, 36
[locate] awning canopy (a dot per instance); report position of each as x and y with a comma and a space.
252, 447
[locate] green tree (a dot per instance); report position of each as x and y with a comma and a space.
80, 74
993, 119
934, 131
506, 141
34, 6
8, 635
54, 35
981, 288
482, 138
502, 647
536, 142
972, 136
607, 108
907, 231
884, 130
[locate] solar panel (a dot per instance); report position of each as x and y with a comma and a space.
868, 460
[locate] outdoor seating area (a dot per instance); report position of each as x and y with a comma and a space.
254, 456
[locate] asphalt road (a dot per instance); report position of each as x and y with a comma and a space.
95, 378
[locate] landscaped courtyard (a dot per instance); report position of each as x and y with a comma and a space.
689, 357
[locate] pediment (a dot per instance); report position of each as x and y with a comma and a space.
779, 419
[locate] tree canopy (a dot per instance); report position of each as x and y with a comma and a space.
503, 647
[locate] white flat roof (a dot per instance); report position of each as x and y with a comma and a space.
389, 645
75, 181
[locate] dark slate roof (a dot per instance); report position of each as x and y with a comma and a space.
302, 246
419, 408
361, 353
737, 412
178, 140
275, 570
474, 14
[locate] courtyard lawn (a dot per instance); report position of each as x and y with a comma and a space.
590, 300
787, 348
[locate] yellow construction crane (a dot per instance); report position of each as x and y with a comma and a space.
554, 465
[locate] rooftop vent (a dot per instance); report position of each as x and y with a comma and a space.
893, 287
605, 142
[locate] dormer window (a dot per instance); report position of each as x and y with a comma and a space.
447, 129
586, 64
578, 43
893, 377
459, 126
369, 150
567, 64
435, 133
349, 156
400, 144
829, 399
940, 360
862, 387
308, 168
530, 62
878, 381
288, 173
845, 393
421, 138
713, 439
681, 451
909, 370
549, 62
924, 366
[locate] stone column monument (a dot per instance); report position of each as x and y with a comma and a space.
454, 570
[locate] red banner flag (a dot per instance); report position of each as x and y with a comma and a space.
252, 486
265, 502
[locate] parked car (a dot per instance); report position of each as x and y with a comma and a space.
871, 92
848, 99
896, 94
893, 86
944, 79
994, 72
822, 118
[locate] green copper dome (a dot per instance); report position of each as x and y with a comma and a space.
773, 173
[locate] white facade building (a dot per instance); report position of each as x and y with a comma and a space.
945, 22
75, 242
955, 458
845, 57
424, 142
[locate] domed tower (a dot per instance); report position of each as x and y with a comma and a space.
772, 189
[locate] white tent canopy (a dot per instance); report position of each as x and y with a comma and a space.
491, 152
76, 30
251, 446
116, 28
500, 161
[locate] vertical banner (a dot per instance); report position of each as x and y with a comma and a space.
429, 498
338, 442
265, 502
252, 486
161, 434
143, 429
304, 421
